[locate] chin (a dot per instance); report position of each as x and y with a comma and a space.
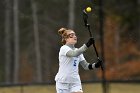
75, 42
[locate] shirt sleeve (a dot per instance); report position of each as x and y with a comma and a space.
84, 64
82, 57
77, 52
64, 49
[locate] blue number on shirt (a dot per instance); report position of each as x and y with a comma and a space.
74, 63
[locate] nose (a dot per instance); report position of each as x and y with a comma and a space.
74, 36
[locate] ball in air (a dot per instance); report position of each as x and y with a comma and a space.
88, 9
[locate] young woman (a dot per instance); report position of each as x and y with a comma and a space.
67, 78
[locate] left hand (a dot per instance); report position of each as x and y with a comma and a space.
98, 64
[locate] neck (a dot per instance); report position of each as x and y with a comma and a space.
70, 45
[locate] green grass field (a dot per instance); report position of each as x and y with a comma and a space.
88, 88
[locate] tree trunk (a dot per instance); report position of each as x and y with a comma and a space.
7, 42
16, 41
117, 41
138, 10
71, 14
36, 37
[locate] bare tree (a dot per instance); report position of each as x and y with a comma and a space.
117, 43
36, 37
138, 8
16, 40
71, 13
7, 42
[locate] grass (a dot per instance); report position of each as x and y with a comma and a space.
88, 88
125, 88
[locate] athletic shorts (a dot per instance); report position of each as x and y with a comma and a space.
68, 87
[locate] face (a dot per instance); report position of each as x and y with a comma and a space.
72, 38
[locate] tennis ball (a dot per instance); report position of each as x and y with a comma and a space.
88, 9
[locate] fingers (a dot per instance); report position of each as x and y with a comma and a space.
98, 64
90, 42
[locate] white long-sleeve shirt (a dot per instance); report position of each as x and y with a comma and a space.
69, 59
69, 64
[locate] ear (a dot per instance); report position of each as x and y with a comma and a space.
66, 39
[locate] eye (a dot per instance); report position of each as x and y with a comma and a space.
71, 35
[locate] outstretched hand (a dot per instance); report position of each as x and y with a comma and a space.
90, 42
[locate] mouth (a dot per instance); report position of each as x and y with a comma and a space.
75, 39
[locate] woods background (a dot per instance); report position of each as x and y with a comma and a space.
29, 42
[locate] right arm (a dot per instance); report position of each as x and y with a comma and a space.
76, 52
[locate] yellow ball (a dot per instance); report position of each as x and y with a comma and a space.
88, 9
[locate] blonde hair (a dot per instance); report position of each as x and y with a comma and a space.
63, 33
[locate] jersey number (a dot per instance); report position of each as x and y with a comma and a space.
74, 63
